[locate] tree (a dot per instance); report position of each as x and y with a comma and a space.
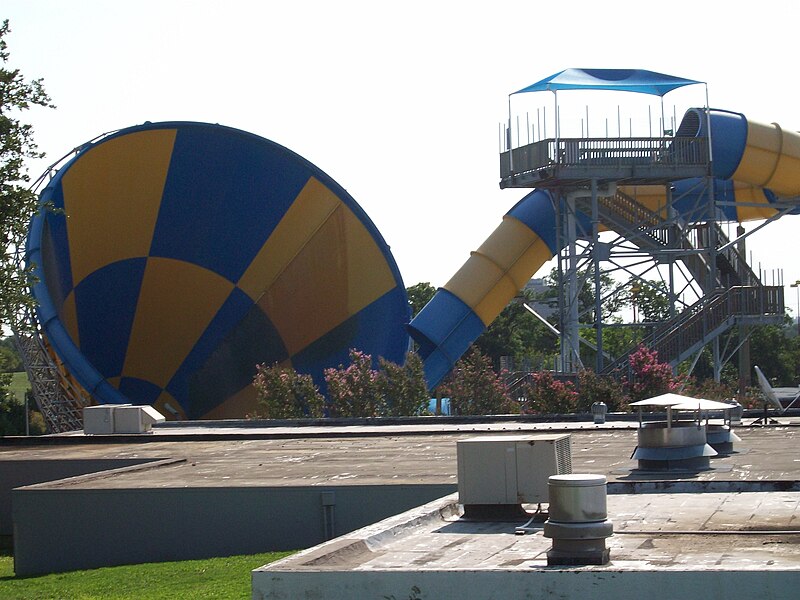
419, 295
611, 298
353, 390
599, 388
620, 340
10, 360
544, 394
777, 353
649, 377
17, 202
650, 299
516, 333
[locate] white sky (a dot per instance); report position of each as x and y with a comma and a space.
398, 102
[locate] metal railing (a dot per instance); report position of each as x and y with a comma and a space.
711, 316
730, 261
604, 152
625, 215
60, 403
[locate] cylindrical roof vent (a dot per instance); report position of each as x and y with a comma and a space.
578, 523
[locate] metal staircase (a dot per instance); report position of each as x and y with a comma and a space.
734, 296
677, 339
652, 232
61, 404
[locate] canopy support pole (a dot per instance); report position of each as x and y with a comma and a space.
508, 139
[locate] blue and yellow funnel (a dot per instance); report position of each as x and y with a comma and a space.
180, 255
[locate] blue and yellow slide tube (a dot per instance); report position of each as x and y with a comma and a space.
478, 292
754, 165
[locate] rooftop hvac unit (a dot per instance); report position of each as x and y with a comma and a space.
119, 418
510, 469
99, 419
136, 419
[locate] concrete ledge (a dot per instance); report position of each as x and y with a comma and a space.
430, 552
22, 472
553, 582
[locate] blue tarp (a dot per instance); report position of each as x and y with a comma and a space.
621, 80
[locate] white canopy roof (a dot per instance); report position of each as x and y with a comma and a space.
680, 402
703, 404
665, 400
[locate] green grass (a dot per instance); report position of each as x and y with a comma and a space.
196, 579
20, 385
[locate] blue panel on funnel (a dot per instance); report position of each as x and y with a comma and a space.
444, 330
105, 321
138, 391
237, 188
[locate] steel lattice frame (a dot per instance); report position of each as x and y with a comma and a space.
57, 397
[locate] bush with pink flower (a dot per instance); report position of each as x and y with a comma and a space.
544, 394
285, 394
649, 377
475, 389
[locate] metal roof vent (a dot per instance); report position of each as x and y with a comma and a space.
578, 523
497, 474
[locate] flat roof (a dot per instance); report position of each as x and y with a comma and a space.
744, 521
674, 532
375, 455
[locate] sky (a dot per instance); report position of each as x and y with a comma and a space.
400, 103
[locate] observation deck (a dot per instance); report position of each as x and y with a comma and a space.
569, 162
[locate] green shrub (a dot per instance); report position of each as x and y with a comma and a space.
403, 388
353, 391
599, 388
475, 389
285, 394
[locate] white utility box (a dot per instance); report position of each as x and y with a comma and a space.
510, 469
119, 418
99, 419
136, 419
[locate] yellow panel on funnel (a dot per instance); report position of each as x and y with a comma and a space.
334, 269
176, 304
111, 197
313, 207
771, 159
751, 194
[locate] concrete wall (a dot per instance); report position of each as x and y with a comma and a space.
18, 473
66, 528
565, 584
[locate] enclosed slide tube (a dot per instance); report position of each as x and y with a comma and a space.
478, 292
753, 163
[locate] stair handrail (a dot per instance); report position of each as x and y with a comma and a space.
700, 320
